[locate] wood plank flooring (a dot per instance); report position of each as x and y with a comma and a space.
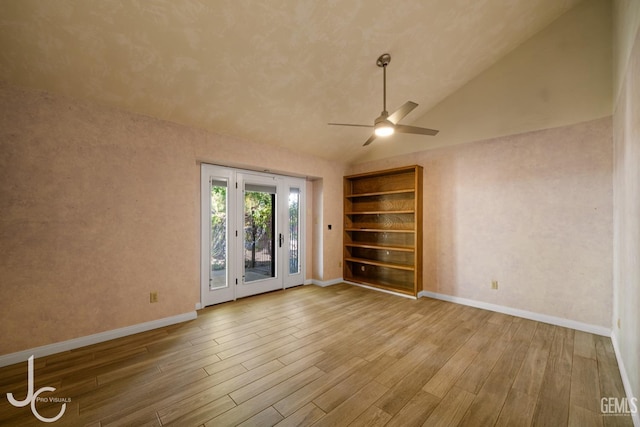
341, 355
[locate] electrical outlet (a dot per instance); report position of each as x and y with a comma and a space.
153, 297
494, 284
618, 323
340, 264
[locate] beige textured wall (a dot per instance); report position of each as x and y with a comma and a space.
532, 211
560, 76
626, 135
99, 207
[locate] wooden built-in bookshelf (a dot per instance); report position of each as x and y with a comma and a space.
383, 229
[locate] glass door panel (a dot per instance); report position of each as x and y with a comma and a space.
217, 222
218, 277
294, 230
259, 232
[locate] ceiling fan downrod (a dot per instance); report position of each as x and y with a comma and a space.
382, 62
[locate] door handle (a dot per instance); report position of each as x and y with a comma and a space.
280, 240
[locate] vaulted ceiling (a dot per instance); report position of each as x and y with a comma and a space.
272, 72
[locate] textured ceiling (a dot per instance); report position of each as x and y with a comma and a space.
273, 72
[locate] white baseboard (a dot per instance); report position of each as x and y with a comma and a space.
46, 350
326, 282
398, 294
558, 321
625, 379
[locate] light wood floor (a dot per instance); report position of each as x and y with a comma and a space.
341, 355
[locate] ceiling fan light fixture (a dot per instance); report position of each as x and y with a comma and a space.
384, 128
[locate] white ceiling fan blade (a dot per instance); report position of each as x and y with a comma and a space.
370, 140
401, 112
349, 124
415, 130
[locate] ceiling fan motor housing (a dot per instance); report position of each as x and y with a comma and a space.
383, 126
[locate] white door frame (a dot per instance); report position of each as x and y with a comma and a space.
237, 288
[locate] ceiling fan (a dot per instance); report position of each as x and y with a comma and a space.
387, 124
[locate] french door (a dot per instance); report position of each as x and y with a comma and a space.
252, 233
